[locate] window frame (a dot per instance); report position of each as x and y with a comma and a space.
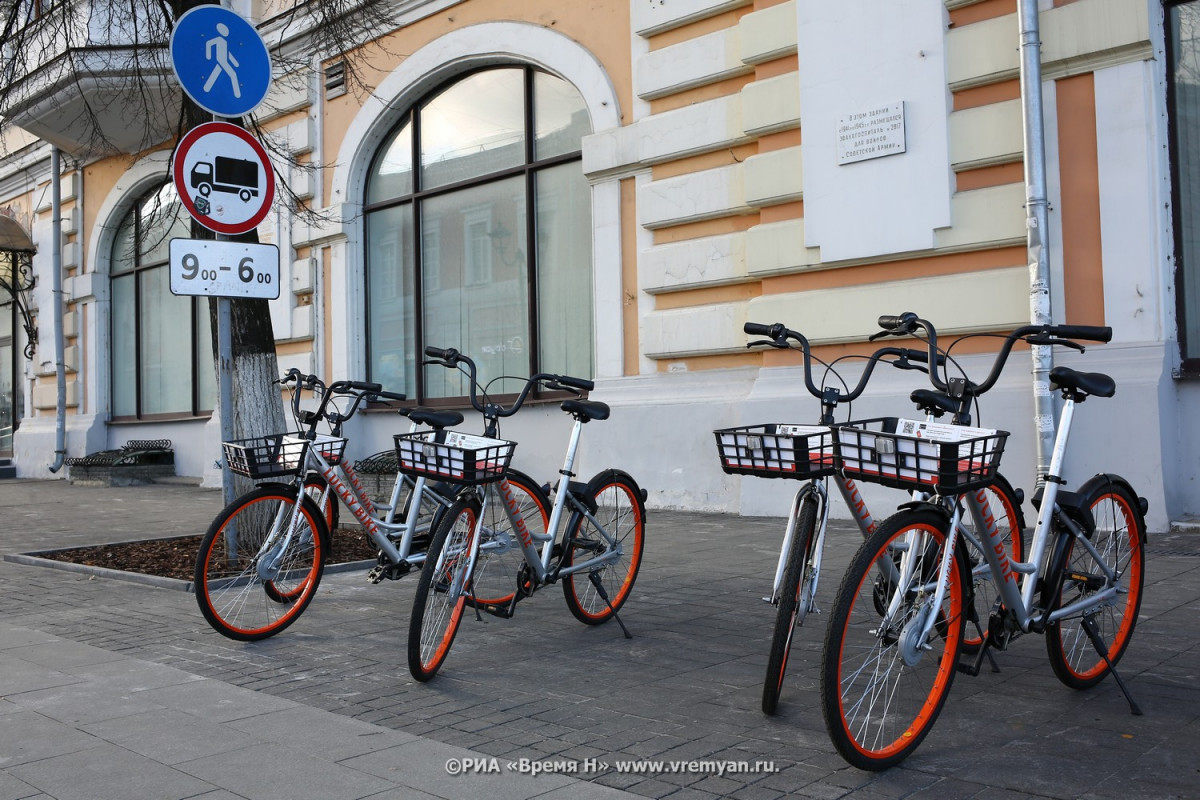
1189, 367
135, 273
413, 201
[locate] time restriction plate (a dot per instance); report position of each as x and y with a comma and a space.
224, 269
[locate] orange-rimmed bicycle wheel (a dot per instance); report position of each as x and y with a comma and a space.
442, 590
1119, 537
883, 684
252, 577
622, 513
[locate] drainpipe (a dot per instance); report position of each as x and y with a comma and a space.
1037, 225
60, 369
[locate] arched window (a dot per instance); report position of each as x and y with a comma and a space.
162, 366
471, 176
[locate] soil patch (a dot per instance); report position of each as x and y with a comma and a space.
176, 558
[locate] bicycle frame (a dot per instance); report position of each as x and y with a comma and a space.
539, 561
1016, 592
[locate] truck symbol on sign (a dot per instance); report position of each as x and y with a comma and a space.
233, 175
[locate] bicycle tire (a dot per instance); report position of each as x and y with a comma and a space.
621, 512
792, 604
1120, 537
1006, 510
235, 596
435, 613
494, 576
880, 691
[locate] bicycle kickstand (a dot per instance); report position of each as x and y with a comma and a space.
594, 577
1089, 627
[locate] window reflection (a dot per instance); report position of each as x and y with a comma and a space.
475, 127
449, 259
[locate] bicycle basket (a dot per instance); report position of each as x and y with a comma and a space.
453, 456
278, 454
776, 450
914, 454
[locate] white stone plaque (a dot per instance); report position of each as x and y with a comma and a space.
873, 133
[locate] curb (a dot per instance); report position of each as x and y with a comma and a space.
147, 580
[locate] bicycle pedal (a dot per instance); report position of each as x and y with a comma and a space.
375, 575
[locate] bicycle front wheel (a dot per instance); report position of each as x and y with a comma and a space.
794, 596
442, 590
1120, 538
594, 595
494, 577
253, 579
883, 683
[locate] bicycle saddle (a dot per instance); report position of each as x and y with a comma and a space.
585, 409
936, 403
434, 419
1093, 383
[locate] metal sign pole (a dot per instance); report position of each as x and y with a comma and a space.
225, 384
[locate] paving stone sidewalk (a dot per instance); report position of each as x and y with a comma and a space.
112, 688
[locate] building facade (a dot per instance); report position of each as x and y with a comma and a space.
613, 189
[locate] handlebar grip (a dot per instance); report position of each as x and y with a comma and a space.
449, 354
364, 386
1092, 333
757, 329
577, 383
399, 397
891, 322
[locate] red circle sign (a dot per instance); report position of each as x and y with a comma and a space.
224, 177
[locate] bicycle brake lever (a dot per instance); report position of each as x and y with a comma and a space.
778, 345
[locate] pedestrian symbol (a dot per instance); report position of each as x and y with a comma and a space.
221, 61
217, 48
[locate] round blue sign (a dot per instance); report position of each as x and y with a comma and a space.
221, 61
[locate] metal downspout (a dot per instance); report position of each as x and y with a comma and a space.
1037, 225
60, 369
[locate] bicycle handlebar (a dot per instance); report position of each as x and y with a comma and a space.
909, 323
779, 335
451, 358
360, 390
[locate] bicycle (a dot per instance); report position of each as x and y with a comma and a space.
806, 453
602, 541
276, 537
893, 644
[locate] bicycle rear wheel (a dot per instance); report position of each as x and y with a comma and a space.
1120, 538
251, 580
882, 684
494, 577
1000, 500
442, 590
619, 509
795, 593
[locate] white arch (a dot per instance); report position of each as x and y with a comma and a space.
457, 52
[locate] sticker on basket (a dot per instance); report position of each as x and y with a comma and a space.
800, 430
940, 431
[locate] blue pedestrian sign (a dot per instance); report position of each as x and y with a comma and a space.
221, 61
